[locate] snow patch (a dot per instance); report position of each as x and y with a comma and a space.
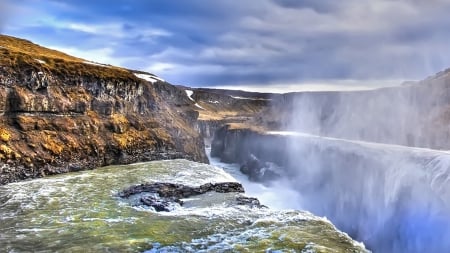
147, 77
40, 61
96, 64
214, 102
189, 93
159, 78
199, 106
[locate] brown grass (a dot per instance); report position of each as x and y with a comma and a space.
23, 54
29, 48
242, 126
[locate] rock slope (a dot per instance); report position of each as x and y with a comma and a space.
60, 113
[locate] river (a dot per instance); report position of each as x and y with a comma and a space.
81, 212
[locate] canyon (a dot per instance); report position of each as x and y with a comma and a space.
374, 162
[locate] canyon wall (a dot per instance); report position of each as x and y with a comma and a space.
61, 114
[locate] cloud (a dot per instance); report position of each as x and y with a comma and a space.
116, 30
5, 11
200, 42
99, 55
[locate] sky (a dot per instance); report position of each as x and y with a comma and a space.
222, 43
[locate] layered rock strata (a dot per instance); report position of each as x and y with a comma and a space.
59, 113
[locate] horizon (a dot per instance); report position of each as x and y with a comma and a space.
264, 45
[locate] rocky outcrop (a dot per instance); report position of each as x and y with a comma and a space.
179, 191
167, 195
63, 114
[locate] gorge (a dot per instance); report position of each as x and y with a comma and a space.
375, 163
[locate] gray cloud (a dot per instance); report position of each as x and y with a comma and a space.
4, 13
257, 41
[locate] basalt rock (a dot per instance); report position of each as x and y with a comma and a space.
163, 196
170, 190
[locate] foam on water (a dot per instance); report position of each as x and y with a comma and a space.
276, 195
81, 212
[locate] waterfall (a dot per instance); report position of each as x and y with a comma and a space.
393, 198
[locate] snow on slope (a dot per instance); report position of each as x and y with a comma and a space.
189, 93
149, 78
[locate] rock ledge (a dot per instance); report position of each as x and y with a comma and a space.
164, 195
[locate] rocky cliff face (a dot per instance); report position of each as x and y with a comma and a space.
59, 114
217, 108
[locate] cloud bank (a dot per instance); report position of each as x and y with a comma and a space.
208, 43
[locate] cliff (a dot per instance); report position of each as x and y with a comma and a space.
60, 113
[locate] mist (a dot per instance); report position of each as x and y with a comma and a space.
392, 198
369, 161
411, 115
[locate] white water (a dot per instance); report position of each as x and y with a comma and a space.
277, 195
81, 212
394, 198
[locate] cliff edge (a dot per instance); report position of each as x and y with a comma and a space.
60, 113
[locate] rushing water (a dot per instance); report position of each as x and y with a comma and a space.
278, 195
80, 212
395, 199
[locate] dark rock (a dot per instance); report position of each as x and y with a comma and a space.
259, 171
168, 194
249, 201
160, 204
170, 190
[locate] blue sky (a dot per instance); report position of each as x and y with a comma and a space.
252, 42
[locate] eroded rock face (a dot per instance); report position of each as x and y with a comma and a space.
66, 115
165, 195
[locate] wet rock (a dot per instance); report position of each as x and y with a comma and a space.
259, 171
249, 201
160, 204
163, 196
170, 190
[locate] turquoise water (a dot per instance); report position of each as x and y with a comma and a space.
80, 212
